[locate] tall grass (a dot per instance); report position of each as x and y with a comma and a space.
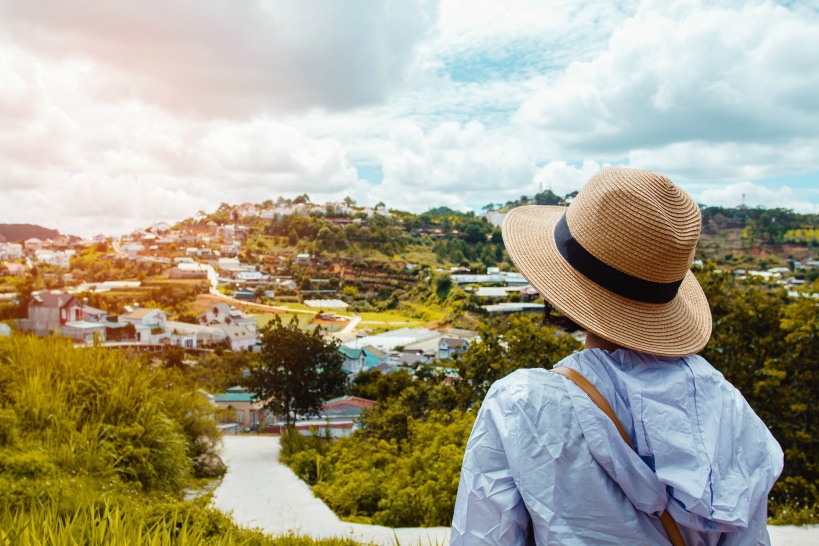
96, 447
107, 525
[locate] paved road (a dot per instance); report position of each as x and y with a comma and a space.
263, 493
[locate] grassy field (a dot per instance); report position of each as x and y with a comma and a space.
389, 319
303, 318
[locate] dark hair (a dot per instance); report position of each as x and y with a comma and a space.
557, 320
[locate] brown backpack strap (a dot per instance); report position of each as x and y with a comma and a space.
668, 522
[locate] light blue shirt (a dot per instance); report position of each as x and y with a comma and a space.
543, 461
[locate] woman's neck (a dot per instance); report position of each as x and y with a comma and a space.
593, 341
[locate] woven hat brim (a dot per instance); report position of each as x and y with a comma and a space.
678, 328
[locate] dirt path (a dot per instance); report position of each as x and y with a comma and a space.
261, 492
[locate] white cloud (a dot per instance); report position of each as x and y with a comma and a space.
474, 103
455, 164
217, 57
754, 195
729, 161
562, 179
690, 73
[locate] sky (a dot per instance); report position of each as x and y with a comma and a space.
114, 115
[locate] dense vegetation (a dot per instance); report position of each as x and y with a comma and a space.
98, 448
402, 467
296, 370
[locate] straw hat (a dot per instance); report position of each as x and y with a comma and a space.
617, 261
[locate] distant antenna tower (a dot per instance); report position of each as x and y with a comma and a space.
540, 187
743, 200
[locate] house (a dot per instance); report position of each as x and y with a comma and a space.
33, 245
83, 331
221, 313
450, 346
373, 357
15, 270
58, 258
244, 294
227, 264
245, 210
251, 276
148, 323
47, 312
230, 249
161, 227
353, 361
242, 408
14, 251
495, 218
133, 249
92, 314
337, 417
240, 338
145, 317
194, 336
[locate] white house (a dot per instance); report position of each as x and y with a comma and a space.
448, 346
14, 251
133, 249
149, 323
221, 313
240, 338
34, 244
145, 317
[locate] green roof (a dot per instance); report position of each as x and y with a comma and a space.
349, 352
235, 397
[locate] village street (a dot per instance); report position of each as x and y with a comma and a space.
263, 493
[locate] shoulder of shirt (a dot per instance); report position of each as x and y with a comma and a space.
525, 381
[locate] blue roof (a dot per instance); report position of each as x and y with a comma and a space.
235, 397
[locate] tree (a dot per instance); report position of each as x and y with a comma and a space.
296, 370
508, 344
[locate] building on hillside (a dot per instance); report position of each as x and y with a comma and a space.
13, 251
48, 312
491, 292
83, 331
187, 273
373, 357
450, 346
133, 249
240, 338
243, 408
15, 270
222, 313
194, 336
92, 314
495, 217
245, 294
33, 245
354, 358
326, 304
387, 341
57, 258
148, 323
337, 417
506, 308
